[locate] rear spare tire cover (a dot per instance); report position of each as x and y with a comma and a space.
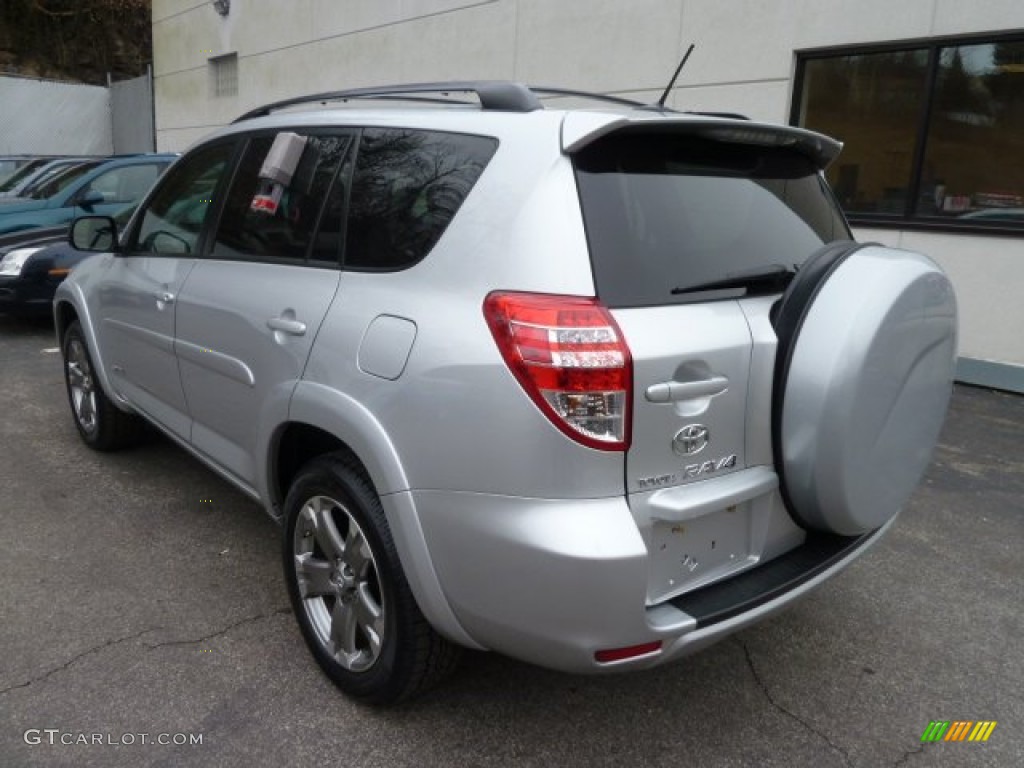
864, 372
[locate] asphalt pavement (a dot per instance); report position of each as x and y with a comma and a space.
141, 601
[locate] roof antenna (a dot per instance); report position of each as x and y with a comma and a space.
664, 96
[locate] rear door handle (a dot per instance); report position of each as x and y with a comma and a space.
674, 391
287, 325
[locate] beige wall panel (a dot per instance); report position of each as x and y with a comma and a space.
473, 44
341, 17
164, 8
598, 45
366, 58
765, 101
744, 40
268, 25
187, 41
182, 99
988, 276
179, 139
957, 17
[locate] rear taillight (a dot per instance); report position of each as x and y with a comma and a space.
570, 357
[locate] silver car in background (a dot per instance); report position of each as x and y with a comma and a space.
590, 388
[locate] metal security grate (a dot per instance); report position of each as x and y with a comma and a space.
224, 75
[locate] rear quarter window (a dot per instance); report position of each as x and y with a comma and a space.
406, 188
670, 210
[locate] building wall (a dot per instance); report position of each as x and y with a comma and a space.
744, 61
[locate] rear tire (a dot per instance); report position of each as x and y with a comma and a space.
349, 592
102, 425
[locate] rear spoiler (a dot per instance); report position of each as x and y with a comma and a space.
580, 129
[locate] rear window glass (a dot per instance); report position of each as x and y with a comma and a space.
406, 188
666, 212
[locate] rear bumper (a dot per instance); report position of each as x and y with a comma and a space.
554, 581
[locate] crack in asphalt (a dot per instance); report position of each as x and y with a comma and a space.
792, 715
118, 640
223, 631
87, 652
907, 755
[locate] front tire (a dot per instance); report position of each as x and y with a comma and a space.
349, 592
102, 425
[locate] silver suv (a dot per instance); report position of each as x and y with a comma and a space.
590, 388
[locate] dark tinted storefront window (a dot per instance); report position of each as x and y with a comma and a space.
932, 134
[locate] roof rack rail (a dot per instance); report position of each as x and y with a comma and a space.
547, 91
729, 115
499, 95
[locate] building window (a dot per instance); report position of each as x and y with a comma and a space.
934, 134
224, 75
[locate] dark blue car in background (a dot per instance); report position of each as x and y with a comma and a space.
35, 256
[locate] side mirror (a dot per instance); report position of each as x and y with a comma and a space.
90, 198
93, 233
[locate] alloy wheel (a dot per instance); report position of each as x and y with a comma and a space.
82, 385
339, 583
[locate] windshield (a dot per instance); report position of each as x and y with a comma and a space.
57, 181
20, 175
121, 217
664, 212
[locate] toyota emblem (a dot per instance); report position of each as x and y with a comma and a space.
691, 439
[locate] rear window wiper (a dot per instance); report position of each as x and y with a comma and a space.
771, 276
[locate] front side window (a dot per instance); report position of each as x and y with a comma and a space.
174, 217
274, 204
407, 186
932, 133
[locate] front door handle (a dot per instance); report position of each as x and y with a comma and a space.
287, 325
163, 298
675, 391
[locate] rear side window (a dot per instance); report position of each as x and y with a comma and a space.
270, 213
406, 188
664, 212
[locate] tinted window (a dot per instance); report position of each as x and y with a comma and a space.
976, 125
277, 219
174, 217
666, 212
873, 104
406, 188
20, 175
930, 132
57, 180
123, 185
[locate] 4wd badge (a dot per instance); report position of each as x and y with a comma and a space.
691, 439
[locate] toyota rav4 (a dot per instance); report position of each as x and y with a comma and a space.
590, 388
